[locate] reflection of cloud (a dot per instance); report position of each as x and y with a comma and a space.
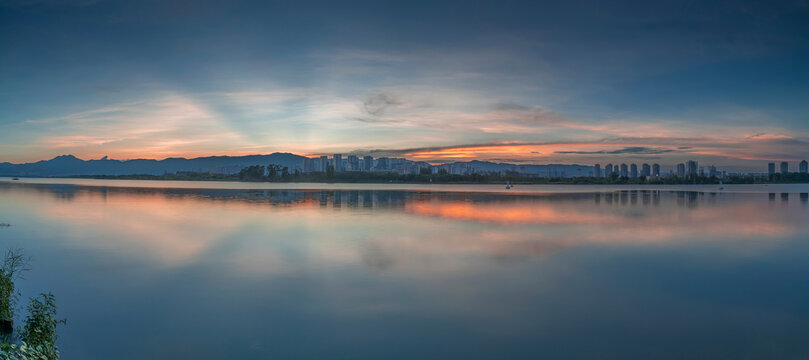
508, 213
632, 226
289, 231
377, 257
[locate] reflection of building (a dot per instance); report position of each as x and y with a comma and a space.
771, 168
656, 170
803, 167
784, 167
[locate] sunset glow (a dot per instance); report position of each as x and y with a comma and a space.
703, 90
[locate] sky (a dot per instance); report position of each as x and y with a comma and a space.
570, 82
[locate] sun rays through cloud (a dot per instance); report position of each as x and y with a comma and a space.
681, 83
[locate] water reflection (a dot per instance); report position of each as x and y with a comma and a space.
177, 225
306, 273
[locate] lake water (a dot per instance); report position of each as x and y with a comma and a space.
163, 270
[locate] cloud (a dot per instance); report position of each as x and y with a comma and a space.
376, 104
736, 151
436, 124
161, 126
639, 150
528, 115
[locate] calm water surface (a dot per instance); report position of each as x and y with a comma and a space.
376, 272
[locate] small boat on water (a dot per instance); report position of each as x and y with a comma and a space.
15, 179
508, 185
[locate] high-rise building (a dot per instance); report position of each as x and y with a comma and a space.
645, 170
771, 168
803, 167
691, 168
367, 163
354, 163
784, 167
308, 165
633, 172
656, 170
338, 162
608, 170
624, 170
324, 163
712, 171
597, 170
383, 163
681, 170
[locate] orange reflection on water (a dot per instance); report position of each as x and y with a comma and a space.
509, 213
263, 232
170, 227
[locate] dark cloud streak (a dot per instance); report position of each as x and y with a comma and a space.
634, 150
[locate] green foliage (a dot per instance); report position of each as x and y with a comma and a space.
277, 172
8, 296
39, 333
27, 352
40, 325
252, 173
14, 263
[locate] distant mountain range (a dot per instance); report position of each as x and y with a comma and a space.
69, 165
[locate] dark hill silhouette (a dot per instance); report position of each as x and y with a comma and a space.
69, 165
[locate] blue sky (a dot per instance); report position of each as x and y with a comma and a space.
725, 83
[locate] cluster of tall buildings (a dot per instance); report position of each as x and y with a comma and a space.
354, 163
802, 167
631, 170
686, 169
362, 164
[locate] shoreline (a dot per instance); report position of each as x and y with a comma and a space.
343, 186
422, 179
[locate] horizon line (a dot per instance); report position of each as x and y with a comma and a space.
431, 162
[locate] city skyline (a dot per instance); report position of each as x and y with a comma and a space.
367, 163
